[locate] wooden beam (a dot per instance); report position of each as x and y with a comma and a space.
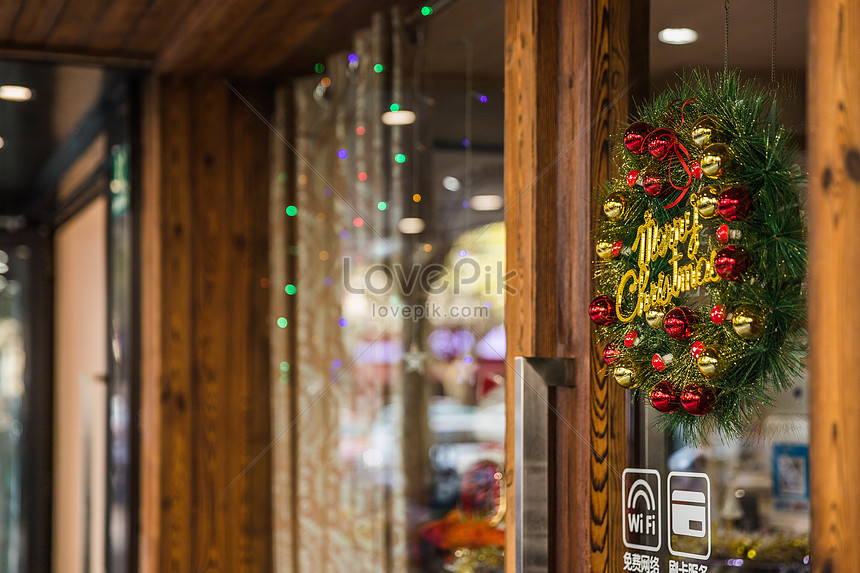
834, 281
556, 151
530, 138
205, 395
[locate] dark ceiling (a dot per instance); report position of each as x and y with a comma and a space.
289, 35
240, 38
34, 132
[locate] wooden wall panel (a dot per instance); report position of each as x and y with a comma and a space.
556, 150
834, 281
206, 387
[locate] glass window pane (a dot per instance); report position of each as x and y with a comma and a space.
13, 367
758, 515
394, 299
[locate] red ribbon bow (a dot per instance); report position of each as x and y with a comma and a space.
679, 148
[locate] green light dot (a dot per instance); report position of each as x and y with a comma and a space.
294, 250
382, 205
282, 177
378, 68
426, 11
395, 107
319, 68
400, 158
290, 289
282, 322
291, 210
285, 366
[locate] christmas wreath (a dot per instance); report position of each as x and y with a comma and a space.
701, 256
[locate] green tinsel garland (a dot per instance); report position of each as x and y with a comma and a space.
762, 159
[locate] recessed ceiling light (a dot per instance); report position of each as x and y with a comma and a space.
2, 143
410, 225
677, 36
451, 183
486, 202
15, 93
399, 117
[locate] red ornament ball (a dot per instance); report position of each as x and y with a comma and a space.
654, 185
661, 143
718, 314
698, 399
617, 247
679, 322
664, 399
611, 354
631, 339
634, 137
723, 234
659, 362
632, 178
735, 203
731, 262
602, 310
696, 169
697, 348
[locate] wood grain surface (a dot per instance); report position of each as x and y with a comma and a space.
205, 395
567, 87
834, 280
240, 38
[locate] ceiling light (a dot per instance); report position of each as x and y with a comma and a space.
410, 225
2, 143
451, 183
15, 93
486, 202
677, 36
399, 117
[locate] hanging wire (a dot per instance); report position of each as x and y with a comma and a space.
726, 56
774, 85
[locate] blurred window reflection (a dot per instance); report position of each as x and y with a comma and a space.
395, 340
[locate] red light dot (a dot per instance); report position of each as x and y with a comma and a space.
362, 176
358, 221
359, 130
265, 283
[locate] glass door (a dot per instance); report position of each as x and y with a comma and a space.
391, 349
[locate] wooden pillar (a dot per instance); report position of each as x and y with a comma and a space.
568, 85
205, 323
834, 282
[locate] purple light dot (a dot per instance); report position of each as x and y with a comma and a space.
352, 58
344, 234
342, 154
327, 281
327, 192
487, 305
465, 143
465, 204
343, 322
467, 360
337, 363
483, 99
462, 252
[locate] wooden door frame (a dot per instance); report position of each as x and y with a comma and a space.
584, 45
570, 76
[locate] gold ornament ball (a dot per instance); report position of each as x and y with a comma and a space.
604, 249
705, 131
625, 375
715, 158
709, 363
654, 317
615, 205
748, 321
707, 202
